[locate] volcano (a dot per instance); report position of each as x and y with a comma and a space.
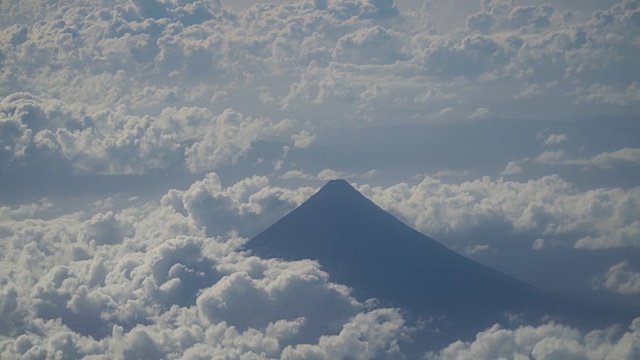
360, 245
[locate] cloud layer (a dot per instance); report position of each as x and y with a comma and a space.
548, 207
135, 87
146, 282
550, 341
165, 279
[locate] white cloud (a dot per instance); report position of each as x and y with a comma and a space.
121, 87
550, 341
548, 207
513, 168
538, 244
228, 140
555, 139
375, 45
327, 174
249, 205
480, 113
370, 335
476, 249
303, 139
602, 160
136, 87
620, 278
147, 282
608, 94
449, 173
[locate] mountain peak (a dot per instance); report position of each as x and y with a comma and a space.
339, 187
362, 246
337, 183
338, 198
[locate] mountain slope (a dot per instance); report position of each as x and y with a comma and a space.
366, 248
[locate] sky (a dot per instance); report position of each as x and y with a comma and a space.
143, 142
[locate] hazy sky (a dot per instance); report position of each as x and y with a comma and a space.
141, 142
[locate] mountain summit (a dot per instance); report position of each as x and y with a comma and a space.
377, 255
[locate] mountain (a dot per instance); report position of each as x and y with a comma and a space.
378, 256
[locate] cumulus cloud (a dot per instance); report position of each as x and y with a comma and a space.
142, 87
548, 207
514, 167
230, 138
550, 341
250, 205
148, 282
609, 95
620, 278
135, 87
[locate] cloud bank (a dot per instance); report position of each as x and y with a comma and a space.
162, 280
548, 207
148, 282
103, 87
550, 341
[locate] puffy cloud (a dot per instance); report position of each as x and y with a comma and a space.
369, 335
326, 175
555, 139
303, 139
620, 278
227, 140
134, 87
513, 168
550, 341
480, 113
36, 130
290, 292
147, 282
369, 46
249, 205
549, 207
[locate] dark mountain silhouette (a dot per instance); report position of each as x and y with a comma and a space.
377, 255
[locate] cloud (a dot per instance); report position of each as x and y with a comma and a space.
37, 131
513, 168
608, 94
149, 87
229, 139
548, 207
303, 139
555, 139
134, 88
374, 45
374, 334
550, 341
327, 174
249, 206
480, 113
620, 278
602, 160
538, 244
149, 282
